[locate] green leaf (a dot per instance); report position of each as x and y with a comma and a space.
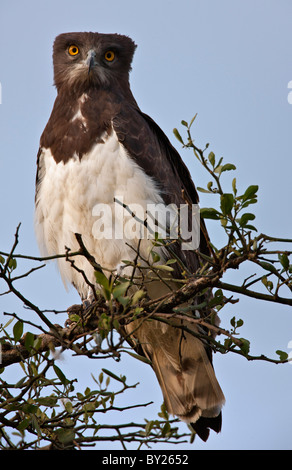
116, 324
219, 294
164, 267
218, 168
178, 136
140, 358
284, 260
112, 375
20, 382
30, 408
250, 192
69, 407
248, 202
202, 190
12, 264
17, 331
166, 428
251, 227
36, 425
60, 375
8, 323
245, 346
103, 281
29, 340
163, 413
65, 435
245, 218
171, 261
120, 290
74, 317
234, 186
155, 256
124, 300
137, 296
217, 299
209, 213
232, 321
47, 401
227, 343
104, 324
226, 203
282, 355
228, 167
268, 267
211, 158
24, 424
224, 222
192, 120
268, 284
149, 427
37, 343
100, 377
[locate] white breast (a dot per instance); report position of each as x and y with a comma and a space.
70, 196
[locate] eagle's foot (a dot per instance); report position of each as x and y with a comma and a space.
76, 309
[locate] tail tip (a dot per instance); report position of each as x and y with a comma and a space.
203, 425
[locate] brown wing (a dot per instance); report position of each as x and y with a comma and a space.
147, 144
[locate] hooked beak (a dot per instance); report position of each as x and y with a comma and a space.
90, 61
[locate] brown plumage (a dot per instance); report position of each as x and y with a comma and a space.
94, 105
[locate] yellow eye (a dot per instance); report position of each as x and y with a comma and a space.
73, 50
109, 56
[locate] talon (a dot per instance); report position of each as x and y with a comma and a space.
86, 303
76, 308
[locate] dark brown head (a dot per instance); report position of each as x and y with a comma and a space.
82, 60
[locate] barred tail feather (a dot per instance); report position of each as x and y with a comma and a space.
185, 374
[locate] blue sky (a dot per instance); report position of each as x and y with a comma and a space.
228, 61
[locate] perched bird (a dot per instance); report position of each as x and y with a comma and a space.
98, 148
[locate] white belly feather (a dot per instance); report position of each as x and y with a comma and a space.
66, 204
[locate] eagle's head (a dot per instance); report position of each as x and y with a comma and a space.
82, 60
